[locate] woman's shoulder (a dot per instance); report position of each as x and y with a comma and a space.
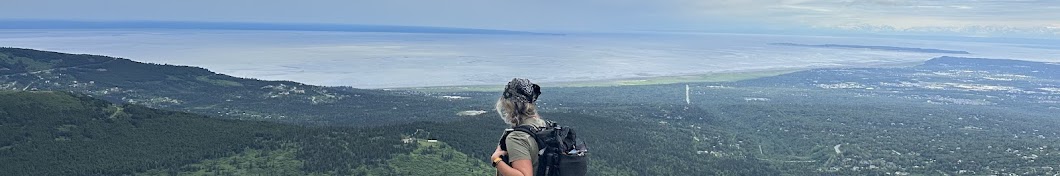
518, 135
518, 140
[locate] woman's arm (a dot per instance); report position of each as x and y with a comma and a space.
518, 168
522, 167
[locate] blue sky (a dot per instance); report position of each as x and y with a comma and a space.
988, 18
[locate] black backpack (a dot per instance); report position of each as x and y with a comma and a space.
561, 153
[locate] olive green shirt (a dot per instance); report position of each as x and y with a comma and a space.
522, 146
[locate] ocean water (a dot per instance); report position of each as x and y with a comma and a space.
389, 60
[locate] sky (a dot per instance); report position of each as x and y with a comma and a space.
981, 18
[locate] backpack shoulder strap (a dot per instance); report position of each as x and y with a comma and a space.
523, 128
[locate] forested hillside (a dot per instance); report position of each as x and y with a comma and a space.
55, 133
201, 91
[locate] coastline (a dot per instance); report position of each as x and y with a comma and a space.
721, 76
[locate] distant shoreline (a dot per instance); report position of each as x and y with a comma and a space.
405, 60
720, 76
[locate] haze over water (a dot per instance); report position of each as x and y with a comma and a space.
386, 60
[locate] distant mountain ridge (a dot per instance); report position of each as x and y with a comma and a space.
882, 48
198, 90
67, 24
942, 63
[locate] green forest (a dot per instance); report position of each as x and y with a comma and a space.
55, 133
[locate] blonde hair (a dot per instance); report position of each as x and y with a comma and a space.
514, 112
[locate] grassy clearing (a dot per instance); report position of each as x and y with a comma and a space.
429, 158
280, 161
224, 83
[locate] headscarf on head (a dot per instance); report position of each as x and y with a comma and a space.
520, 94
522, 90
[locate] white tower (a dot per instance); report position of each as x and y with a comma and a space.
687, 99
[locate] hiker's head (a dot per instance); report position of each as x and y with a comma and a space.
517, 102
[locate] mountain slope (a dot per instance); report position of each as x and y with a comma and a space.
198, 90
56, 133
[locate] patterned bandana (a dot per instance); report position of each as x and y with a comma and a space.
522, 90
